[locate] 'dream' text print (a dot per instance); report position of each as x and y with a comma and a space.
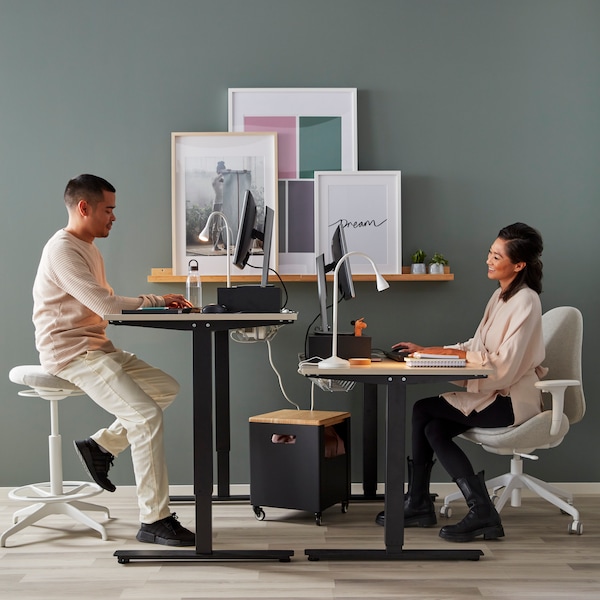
358, 224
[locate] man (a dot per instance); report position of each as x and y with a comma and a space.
71, 295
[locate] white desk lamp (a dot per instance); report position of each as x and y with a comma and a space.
205, 236
334, 362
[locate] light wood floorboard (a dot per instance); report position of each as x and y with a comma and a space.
538, 559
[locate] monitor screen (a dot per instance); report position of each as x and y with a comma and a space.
345, 283
267, 235
249, 231
322, 292
338, 249
245, 235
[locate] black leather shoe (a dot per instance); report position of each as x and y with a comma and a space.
96, 462
482, 518
168, 532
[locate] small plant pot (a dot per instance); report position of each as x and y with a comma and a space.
436, 269
418, 269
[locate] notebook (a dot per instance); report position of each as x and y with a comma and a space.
422, 359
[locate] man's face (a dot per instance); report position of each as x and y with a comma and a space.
100, 217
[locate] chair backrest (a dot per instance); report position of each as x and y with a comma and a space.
563, 338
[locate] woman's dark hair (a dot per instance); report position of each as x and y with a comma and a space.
523, 244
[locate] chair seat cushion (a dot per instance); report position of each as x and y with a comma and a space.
532, 435
35, 377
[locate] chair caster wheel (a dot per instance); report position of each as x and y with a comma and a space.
576, 527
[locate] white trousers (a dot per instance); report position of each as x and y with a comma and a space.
136, 394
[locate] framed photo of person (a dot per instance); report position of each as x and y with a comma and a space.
210, 172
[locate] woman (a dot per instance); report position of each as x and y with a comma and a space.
509, 339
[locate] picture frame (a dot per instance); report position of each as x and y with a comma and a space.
317, 131
210, 172
368, 205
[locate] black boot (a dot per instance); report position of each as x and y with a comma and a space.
482, 518
419, 510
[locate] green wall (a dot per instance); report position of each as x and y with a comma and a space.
489, 108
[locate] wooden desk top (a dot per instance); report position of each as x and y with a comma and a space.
392, 367
153, 316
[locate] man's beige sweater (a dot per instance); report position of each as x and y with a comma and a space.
70, 297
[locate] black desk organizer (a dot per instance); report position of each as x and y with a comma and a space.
298, 475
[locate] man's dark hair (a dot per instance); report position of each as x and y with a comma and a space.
88, 187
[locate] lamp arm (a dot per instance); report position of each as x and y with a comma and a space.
204, 235
382, 284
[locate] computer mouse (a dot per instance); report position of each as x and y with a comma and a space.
214, 308
398, 354
400, 350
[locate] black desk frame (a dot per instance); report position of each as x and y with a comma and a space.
210, 338
396, 386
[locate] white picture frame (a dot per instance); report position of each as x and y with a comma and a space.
317, 130
207, 167
368, 205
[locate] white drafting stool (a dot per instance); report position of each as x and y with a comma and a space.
55, 496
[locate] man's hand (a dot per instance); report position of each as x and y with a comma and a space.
176, 301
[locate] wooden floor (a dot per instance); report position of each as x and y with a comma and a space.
59, 559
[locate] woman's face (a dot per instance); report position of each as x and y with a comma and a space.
500, 267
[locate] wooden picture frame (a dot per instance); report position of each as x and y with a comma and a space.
206, 168
317, 130
368, 205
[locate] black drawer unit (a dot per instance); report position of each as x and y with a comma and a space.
298, 462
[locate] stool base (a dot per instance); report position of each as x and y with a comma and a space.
68, 503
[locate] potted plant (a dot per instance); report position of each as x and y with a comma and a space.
418, 262
437, 264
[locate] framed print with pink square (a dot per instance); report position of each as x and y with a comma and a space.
316, 131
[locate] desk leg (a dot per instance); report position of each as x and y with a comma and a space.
394, 498
370, 440
222, 413
222, 419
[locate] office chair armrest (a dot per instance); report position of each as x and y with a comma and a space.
556, 387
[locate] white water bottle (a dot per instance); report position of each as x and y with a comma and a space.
193, 285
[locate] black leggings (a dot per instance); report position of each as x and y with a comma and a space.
435, 423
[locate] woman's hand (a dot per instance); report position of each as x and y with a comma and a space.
407, 346
430, 349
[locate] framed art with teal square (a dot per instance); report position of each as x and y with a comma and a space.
316, 131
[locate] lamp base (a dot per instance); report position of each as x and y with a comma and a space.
334, 362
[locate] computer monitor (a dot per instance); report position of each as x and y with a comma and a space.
248, 232
245, 235
338, 249
322, 293
267, 237
345, 283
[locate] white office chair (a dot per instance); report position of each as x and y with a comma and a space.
563, 337
55, 496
